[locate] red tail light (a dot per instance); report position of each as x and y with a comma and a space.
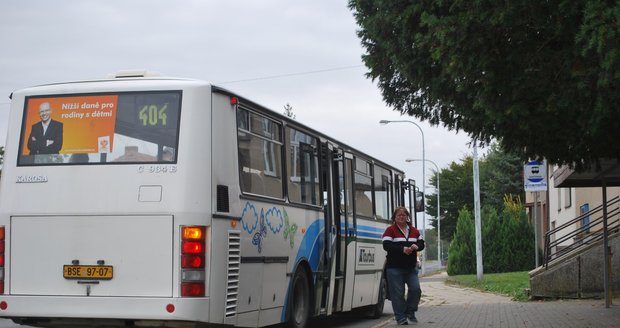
193, 246
192, 261
194, 289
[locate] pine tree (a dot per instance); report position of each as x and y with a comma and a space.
462, 253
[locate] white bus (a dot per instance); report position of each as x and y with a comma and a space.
141, 201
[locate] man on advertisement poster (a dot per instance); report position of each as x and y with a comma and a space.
45, 135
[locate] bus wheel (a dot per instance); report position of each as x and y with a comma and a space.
377, 310
299, 301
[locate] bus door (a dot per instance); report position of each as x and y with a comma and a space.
330, 197
338, 231
339, 227
347, 242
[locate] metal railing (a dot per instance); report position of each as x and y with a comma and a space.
574, 235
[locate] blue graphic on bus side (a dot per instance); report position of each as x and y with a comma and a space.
275, 221
272, 218
370, 232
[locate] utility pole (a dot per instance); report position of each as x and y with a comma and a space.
479, 267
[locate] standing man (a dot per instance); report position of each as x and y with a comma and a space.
46, 135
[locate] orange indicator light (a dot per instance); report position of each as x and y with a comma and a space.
193, 233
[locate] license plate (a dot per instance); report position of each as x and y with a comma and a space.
87, 271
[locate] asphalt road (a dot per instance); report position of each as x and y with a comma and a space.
348, 320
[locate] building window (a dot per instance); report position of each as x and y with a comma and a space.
585, 219
567, 198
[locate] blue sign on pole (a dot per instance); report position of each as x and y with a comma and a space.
535, 176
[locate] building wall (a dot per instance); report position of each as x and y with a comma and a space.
565, 205
594, 197
561, 208
579, 275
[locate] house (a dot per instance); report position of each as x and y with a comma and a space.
570, 221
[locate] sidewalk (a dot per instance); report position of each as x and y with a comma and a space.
444, 306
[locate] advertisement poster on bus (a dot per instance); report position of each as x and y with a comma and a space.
69, 125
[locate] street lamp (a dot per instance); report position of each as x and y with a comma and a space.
409, 160
423, 181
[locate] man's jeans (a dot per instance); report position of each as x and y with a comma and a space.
397, 278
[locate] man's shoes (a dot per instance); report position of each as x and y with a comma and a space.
402, 322
412, 319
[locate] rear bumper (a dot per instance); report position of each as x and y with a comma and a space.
144, 308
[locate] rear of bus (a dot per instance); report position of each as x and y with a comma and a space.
110, 222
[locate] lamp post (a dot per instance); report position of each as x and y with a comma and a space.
438, 210
423, 181
477, 220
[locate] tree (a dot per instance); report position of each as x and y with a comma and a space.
541, 77
457, 192
288, 111
506, 240
503, 176
430, 240
462, 252
493, 244
500, 175
521, 234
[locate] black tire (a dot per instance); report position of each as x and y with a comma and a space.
377, 310
299, 301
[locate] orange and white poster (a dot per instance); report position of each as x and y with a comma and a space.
88, 122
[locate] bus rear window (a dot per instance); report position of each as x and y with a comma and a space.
135, 127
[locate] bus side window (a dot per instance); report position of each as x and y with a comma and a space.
272, 186
382, 185
363, 205
294, 191
260, 154
303, 167
257, 184
363, 188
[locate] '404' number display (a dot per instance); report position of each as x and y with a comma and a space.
151, 115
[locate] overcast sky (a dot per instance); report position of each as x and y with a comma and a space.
304, 53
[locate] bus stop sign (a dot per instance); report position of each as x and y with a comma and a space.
535, 176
